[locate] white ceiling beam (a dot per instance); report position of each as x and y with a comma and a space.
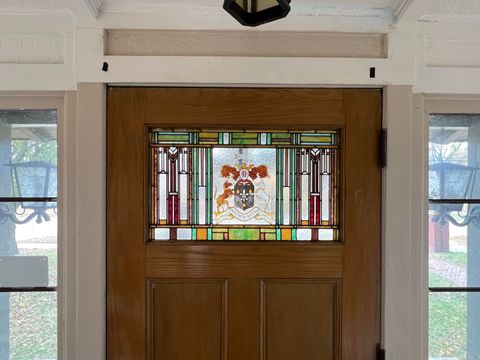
399, 8
84, 9
409, 11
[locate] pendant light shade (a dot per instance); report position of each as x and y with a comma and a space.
257, 12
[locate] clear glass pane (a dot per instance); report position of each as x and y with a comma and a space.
454, 157
454, 326
28, 153
28, 326
244, 185
28, 251
454, 250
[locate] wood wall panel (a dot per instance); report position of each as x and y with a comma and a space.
301, 320
187, 319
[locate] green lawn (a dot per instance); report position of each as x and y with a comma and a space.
447, 313
33, 326
456, 258
448, 325
33, 317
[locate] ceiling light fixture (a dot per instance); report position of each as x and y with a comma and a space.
257, 12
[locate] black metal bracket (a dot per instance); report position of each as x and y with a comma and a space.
383, 147
380, 353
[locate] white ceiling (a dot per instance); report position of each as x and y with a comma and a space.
313, 7
386, 9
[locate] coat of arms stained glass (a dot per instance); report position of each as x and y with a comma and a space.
244, 185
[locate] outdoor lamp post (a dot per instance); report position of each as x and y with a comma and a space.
257, 12
34, 183
451, 187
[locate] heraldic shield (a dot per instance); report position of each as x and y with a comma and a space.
244, 194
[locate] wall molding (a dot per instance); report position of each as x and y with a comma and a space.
245, 43
30, 48
452, 52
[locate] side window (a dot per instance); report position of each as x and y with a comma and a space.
28, 234
454, 236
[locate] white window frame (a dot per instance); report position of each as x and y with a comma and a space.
427, 104
59, 101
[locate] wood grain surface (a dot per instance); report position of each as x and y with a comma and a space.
243, 300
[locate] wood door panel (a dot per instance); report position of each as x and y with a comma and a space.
125, 272
361, 263
257, 261
172, 306
227, 108
301, 320
244, 319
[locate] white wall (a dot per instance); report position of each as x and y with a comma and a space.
429, 49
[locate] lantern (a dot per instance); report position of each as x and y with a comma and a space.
257, 12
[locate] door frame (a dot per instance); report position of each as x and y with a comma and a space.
401, 330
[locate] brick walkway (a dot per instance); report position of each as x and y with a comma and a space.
454, 273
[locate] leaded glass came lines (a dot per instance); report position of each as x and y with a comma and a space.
244, 185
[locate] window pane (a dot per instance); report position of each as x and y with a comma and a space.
454, 251
28, 233
454, 326
28, 153
454, 157
28, 251
454, 231
28, 328
240, 185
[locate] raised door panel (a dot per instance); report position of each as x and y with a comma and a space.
187, 319
300, 320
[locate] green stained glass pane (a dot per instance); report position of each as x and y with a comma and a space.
317, 139
244, 141
269, 236
244, 234
173, 138
276, 136
244, 135
217, 236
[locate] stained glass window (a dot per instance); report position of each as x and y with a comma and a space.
244, 185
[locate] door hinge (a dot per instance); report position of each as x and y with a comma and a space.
383, 147
380, 353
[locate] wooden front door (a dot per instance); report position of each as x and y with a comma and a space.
243, 224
